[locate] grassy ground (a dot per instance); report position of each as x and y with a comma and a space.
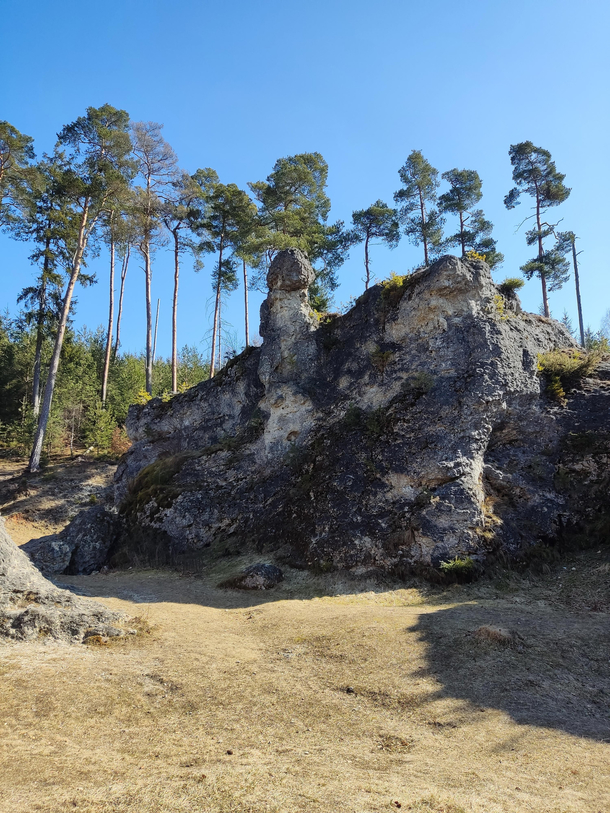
322, 695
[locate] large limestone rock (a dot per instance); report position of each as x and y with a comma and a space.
80, 549
409, 431
32, 608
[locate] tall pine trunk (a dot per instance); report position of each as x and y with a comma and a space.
462, 235
366, 263
577, 283
110, 323
124, 267
545, 298
220, 330
423, 226
216, 311
45, 411
147, 273
246, 303
175, 313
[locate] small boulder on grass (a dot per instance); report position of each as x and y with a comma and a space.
499, 636
255, 577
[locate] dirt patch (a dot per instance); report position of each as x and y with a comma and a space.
45, 503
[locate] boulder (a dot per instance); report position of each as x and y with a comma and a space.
32, 608
80, 549
260, 576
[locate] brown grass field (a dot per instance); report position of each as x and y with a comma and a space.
325, 694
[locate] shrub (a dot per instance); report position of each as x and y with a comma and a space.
392, 289
564, 368
458, 569
474, 255
381, 358
510, 285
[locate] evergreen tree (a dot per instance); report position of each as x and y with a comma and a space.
93, 161
179, 214
567, 323
534, 173
379, 222
157, 166
16, 171
417, 199
475, 230
293, 210
225, 212
41, 220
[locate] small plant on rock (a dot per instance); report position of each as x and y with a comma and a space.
510, 285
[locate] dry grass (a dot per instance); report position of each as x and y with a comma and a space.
322, 695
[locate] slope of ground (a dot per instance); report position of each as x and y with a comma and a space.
44, 503
323, 696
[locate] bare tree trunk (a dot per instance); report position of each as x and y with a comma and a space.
110, 323
175, 313
38, 351
246, 303
220, 331
577, 282
154, 353
462, 236
366, 263
149, 362
545, 298
216, 312
124, 266
45, 411
422, 209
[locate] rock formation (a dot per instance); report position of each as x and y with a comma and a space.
32, 608
407, 433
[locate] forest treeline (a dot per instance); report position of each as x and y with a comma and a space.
115, 183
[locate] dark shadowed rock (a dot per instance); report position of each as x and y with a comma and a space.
260, 576
32, 608
80, 549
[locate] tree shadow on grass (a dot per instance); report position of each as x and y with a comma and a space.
554, 673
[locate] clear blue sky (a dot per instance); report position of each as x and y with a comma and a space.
240, 84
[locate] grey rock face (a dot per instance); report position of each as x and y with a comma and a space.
260, 576
32, 608
80, 549
411, 430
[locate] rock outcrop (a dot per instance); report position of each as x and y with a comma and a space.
410, 431
32, 608
80, 549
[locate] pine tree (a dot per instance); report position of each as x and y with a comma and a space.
225, 211
157, 166
92, 157
475, 230
378, 222
417, 200
179, 214
17, 175
293, 210
534, 173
